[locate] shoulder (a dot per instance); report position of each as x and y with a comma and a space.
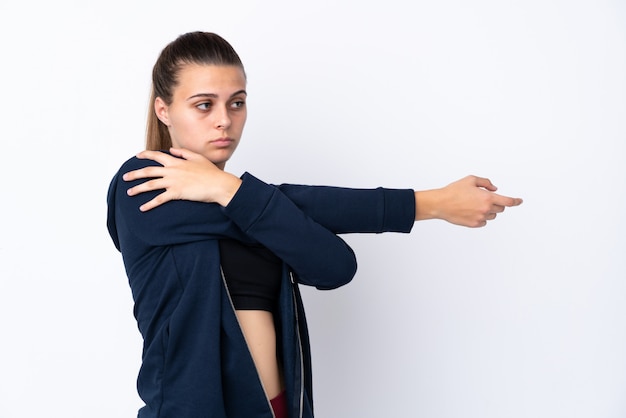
131, 164
134, 163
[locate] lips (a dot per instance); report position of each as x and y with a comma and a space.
222, 142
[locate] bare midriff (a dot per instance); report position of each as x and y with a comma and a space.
258, 329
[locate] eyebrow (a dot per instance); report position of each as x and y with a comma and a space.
214, 96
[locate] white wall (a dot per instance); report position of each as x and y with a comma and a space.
524, 318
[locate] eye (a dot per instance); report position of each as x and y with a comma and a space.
204, 106
238, 104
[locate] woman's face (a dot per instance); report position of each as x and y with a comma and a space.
208, 111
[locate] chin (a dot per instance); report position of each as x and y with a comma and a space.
220, 162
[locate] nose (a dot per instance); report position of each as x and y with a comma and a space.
222, 120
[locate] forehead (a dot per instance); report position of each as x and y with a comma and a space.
210, 79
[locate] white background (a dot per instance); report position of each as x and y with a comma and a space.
523, 318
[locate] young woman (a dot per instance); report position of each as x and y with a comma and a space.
214, 260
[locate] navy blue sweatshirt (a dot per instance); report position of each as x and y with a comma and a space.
195, 360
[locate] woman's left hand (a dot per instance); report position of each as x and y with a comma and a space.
184, 175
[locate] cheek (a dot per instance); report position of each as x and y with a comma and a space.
241, 122
183, 127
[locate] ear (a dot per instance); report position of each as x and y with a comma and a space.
161, 110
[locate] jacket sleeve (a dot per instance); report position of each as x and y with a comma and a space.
257, 213
264, 213
344, 210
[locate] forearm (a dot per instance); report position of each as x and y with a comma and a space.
347, 210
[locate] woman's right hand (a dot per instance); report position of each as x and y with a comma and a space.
469, 202
184, 175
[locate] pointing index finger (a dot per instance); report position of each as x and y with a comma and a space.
507, 201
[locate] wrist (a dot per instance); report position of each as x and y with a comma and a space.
228, 189
426, 204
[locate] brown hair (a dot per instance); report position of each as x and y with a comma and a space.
191, 48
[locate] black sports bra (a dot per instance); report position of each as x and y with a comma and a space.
253, 275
